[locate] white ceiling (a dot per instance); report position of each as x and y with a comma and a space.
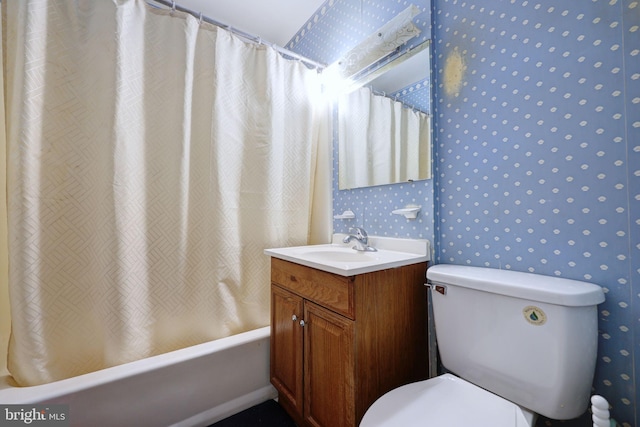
276, 21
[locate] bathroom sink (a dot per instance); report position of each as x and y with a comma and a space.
340, 258
338, 254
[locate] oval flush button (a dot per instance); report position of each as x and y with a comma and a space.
534, 315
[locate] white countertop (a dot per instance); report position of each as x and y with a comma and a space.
340, 258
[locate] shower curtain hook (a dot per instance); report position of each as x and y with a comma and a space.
200, 18
173, 6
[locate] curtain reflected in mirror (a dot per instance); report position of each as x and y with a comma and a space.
381, 141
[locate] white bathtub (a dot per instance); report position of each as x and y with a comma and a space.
195, 386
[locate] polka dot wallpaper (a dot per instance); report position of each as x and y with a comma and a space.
537, 139
536, 122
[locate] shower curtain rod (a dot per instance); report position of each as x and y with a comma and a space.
249, 37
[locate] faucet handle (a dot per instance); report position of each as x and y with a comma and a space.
359, 231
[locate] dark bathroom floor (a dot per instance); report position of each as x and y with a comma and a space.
270, 414
583, 421
267, 414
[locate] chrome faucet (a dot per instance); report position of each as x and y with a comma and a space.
361, 239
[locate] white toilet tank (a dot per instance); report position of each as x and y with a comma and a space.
529, 338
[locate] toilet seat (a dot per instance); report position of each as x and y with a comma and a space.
445, 400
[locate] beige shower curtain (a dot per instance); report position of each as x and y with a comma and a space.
151, 160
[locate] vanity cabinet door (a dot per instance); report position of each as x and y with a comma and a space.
286, 349
328, 368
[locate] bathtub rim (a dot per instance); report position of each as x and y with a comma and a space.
10, 394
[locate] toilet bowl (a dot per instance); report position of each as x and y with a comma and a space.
495, 330
445, 400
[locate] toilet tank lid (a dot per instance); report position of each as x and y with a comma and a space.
529, 286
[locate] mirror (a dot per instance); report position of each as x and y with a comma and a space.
401, 87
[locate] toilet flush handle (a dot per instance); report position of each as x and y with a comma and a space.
436, 287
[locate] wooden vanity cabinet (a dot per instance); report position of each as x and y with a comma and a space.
338, 343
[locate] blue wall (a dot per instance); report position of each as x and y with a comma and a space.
537, 154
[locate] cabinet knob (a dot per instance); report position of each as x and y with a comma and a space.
294, 317
302, 323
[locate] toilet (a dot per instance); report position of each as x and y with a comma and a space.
514, 345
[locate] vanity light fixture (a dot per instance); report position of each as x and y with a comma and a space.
380, 44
